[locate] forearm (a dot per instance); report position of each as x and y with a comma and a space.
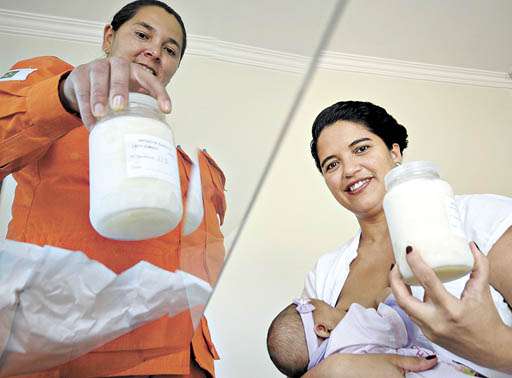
355, 366
493, 351
501, 358
18, 161
334, 366
500, 259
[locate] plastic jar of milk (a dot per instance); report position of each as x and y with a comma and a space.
421, 212
135, 189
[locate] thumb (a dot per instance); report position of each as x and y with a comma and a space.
478, 283
480, 274
408, 363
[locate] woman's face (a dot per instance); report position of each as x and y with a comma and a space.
354, 162
152, 38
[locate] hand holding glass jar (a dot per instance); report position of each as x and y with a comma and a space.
421, 212
135, 189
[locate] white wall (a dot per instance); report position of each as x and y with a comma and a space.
466, 130
234, 111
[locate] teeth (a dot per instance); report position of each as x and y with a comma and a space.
150, 70
358, 184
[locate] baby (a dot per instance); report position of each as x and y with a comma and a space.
310, 330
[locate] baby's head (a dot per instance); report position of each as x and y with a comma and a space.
287, 337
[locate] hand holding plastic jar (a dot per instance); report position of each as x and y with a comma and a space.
135, 189
421, 212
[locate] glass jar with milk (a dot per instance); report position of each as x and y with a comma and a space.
135, 189
421, 212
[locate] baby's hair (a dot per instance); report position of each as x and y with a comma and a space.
286, 343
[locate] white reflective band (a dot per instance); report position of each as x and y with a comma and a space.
17, 75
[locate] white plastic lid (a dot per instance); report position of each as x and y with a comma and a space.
411, 170
143, 99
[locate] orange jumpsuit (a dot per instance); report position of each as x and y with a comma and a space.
47, 149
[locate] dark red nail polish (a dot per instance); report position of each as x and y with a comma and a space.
392, 265
408, 249
431, 357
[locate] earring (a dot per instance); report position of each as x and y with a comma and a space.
397, 164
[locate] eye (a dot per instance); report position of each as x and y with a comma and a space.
361, 149
141, 35
329, 167
170, 51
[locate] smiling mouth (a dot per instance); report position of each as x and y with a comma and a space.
358, 186
149, 69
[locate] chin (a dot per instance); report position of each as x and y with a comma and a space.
369, 207
370, 211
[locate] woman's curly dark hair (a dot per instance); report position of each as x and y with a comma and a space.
373, 117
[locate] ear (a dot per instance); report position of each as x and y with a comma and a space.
322, 330
396, 155
108, 37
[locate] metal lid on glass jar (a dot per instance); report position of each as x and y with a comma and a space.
135, 98
410, 170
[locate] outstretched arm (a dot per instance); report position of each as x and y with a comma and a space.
42, 107
368, 366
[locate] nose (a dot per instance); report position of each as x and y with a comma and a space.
350, 168
152, 53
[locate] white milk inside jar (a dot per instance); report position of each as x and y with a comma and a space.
135, 189
421, 212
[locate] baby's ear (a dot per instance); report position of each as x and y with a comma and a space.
322, 330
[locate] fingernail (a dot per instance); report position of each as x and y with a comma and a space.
117, 102
431, 357
392, 265
99, 110
408, 249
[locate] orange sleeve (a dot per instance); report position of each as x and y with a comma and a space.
31, 114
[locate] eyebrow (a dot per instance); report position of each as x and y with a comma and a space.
358, 141
350, 145
152, 29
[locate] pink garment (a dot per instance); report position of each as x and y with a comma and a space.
385, 330
366, 330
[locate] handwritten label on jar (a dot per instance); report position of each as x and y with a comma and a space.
149, 156
454, 220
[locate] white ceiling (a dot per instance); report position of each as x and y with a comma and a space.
463, 33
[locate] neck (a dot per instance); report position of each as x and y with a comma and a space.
374, 229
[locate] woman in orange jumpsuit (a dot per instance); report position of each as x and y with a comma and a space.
46, 112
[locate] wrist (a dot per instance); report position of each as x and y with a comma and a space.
65, 103
503, 350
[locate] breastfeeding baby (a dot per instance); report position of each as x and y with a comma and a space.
310, 330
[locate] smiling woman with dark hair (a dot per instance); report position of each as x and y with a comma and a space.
45, 119
354, 145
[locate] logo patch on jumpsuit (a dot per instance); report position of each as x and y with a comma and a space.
19, 74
